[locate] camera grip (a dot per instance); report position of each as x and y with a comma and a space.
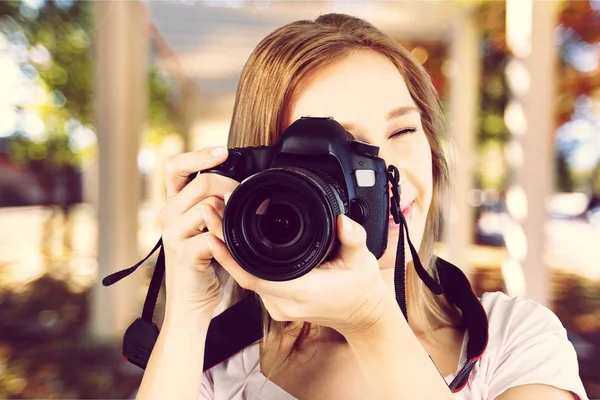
376, 224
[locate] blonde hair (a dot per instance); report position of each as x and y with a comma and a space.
279, 65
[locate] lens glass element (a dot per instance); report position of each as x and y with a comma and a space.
279, 223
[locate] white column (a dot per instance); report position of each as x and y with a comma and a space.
530, 116
465, 61
120, 97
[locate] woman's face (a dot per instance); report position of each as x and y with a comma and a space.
368, 96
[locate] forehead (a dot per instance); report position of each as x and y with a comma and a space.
362, 87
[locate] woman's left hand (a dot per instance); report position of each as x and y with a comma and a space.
346, 293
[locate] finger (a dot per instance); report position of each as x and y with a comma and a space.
186, 225
200, 248
222, 274
225, 259
217, 204
213, 220
179, 167
295, 289
193, 222
352, 237
203, 186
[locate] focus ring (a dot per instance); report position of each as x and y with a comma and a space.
333, 199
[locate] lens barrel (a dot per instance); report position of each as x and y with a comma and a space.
280, 223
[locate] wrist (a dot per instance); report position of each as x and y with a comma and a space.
372, 316
182, 317
181, 309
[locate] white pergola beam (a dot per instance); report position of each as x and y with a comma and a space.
533, 160
120, 99
464, 82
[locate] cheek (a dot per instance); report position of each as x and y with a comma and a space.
422, 170
427, 176
415, 157
423, 161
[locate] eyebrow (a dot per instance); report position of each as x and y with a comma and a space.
395, 113
400, 111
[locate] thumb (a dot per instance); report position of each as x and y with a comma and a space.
352, 237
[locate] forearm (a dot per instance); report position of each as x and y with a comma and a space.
174, 370
394, 361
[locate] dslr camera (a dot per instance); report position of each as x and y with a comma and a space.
280, 222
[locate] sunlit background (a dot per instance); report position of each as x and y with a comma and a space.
95, 95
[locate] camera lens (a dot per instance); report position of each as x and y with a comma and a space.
280, 223
277, 227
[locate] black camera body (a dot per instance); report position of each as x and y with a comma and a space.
279, 223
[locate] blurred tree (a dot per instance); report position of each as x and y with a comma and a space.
578, 27
596, 180
48, 48
582, 17
494, 96
55, 39
432, 55
579, 23
563, 181
579, 69
44, 351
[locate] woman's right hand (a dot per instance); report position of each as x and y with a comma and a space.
193, 279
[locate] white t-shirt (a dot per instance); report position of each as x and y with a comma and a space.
527, 345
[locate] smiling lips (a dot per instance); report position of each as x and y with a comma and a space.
407, 211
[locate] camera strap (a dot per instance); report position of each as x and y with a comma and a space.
393, 176
453, 284
225, 338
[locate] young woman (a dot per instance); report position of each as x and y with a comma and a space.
337, 332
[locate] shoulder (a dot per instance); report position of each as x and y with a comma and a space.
237, 375
527, 345
516, 315
242, 364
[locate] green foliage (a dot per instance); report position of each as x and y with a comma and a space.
159, 113
492, 171
563, 181
576, 17
66, 32
596, 180
44, 351
577, 302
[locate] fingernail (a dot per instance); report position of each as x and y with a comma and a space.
347, 225
226, 197
218, 151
